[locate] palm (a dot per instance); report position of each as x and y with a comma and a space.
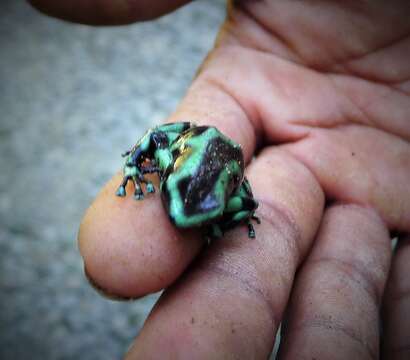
320, 92
338, 98
331, 94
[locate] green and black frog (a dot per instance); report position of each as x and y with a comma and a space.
201, 174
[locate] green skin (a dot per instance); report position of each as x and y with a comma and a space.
201, 172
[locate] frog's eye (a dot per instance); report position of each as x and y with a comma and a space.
160, 140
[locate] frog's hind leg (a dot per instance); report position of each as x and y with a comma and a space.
233, 219
251, 230
240, 208
214, 231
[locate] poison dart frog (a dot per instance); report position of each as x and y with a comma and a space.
201, 173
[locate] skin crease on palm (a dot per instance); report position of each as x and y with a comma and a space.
320, 92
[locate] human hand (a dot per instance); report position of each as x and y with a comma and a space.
320, 90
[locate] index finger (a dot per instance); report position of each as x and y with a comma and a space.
129, 247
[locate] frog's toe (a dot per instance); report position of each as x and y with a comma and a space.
215, 231
121, 191
251, 231
139, 195
150, 188
254, 217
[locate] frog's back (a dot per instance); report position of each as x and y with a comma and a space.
208, 167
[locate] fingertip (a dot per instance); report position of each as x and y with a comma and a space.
129, 247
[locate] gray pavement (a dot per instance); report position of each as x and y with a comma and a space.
72, 98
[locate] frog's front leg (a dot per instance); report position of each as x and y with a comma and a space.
149, 169
154, 148
138, 194
131, 172
121, 189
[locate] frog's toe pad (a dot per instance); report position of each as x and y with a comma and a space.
150, 188
121, 191
251, 231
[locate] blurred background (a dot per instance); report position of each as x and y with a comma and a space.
72, 98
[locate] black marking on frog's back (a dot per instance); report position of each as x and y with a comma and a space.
198, 191
196, 131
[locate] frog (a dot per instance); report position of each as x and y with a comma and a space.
201, 173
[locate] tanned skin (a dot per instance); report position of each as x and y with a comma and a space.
320, 92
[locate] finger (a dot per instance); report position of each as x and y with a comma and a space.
129, 247
231, 301
107, 12
396, 315
334, 307
361, 165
